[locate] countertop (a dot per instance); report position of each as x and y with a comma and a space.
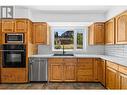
118, 60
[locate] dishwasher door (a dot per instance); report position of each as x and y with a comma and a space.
38, 70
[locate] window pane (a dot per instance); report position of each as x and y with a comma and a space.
63, 37
79, 40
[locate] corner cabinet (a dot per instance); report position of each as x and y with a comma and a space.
110, 32
112, 77
121, 28
96, 33
40, 33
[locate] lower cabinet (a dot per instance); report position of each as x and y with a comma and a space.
85, 69
101, 67
62, 69
123, 81
112, 79
55, 72
13, 75
122, 77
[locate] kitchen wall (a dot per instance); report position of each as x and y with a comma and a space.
116, 50
95, 49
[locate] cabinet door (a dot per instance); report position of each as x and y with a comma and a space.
40, 33
121, 29
85, 69
99, 33
7, 25
109, 32
13, 75
21, 25
69, 71
101, 71
112, 79
123, 81
55, 72
91, 35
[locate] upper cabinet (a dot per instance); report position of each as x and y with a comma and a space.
14, 25
96, 33
121, 28
110, 32
7, 25
21, 25
40, 33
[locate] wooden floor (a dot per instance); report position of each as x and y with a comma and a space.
54, 86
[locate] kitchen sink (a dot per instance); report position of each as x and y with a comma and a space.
63, 55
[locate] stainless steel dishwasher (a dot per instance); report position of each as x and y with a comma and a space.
38, 69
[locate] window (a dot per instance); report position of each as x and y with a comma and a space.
71, 39
64, 38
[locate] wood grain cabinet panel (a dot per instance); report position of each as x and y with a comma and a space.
21, 25
41, 33
7, 25
12, 75
96, 33
55, 72
85, 69
123, 81
112, 76
69, 71
121, 28
110, 31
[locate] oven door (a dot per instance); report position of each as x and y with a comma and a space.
14, 59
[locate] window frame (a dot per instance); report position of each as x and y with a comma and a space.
75, 39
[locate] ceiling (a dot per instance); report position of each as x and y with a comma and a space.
71, 9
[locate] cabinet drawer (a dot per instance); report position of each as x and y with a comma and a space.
70, 60
123, 69
54, 60
85, 72
112, 65
85, 60
82, 66
85, 78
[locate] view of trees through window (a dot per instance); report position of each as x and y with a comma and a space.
64, 37
79, 40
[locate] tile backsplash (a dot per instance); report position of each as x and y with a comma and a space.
116, 50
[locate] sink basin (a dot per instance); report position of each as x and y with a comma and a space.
63, 55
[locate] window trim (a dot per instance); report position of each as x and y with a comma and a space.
75, 40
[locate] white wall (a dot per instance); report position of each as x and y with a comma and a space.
115, 11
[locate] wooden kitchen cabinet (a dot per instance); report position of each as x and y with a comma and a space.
55, 69
7, 25
110, 31
13, 75
21, 25
60, 70
101, 70
96, 33
112, 77
85, 69
70, 69
121, 28
122, 77
40, 33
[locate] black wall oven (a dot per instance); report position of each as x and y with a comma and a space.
14, 56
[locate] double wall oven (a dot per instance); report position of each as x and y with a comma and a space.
14, 51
